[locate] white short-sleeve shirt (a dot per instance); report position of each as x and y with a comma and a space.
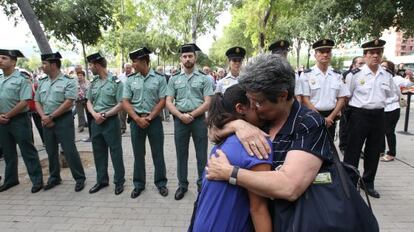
225, 83
369, 90
322, 89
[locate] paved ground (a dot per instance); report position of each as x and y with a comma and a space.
61, 209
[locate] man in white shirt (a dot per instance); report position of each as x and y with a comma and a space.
370, 86
322, 88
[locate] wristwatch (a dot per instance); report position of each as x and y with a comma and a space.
103, 115
233, 177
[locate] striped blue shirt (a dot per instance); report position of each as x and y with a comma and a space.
304, 130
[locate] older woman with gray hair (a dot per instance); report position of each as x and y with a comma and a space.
302, 157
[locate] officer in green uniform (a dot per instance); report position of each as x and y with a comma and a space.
104, 102
15, 123
144, 98
188, 98
54, 100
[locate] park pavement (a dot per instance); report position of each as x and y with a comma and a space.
62, 209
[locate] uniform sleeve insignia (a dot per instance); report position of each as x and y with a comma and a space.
354, 71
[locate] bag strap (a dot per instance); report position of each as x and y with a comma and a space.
342, 173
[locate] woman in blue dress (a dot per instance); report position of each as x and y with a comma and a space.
224, 206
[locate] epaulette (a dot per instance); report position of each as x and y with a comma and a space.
307, 70
158, 73
202, 72
175, 74
389, 71
95, 78
67, 76
44, 77
354, 71
132, 74
115, 79
336, 71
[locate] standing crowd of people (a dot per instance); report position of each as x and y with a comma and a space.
272, 126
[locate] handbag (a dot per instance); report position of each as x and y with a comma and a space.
336, 206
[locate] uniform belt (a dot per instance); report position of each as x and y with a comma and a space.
367, 111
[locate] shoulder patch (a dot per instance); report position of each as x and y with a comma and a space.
307, 70
132, 74
355, 70
69, 77
336, 71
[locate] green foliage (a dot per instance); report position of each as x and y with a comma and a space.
31, 64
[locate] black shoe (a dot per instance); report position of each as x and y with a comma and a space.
37, 187
179, 194
136, 192
79, 186
371, 192
163, 191
97, 187
4, 187
51, 185
119, 189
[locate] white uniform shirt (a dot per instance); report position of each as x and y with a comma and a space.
393, 102
322, 90
369, 91
225, 83
298, 87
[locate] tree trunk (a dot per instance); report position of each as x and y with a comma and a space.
262, 36
84, 60
34, 26
194, 28
298, 47
307, 64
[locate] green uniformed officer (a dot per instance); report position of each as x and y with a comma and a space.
54, 100
188, 98
15, 123
144, 98
104, 102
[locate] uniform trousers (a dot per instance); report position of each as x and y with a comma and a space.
108, 135
365, 126
391, 120
19, 131
38, 123
197, 129
63, 132
155, 133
